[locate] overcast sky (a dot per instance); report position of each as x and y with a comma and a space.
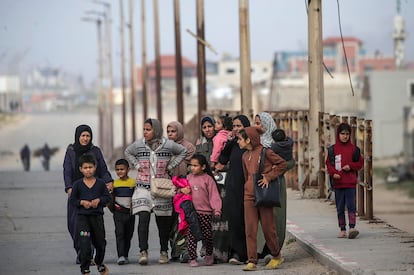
52, 32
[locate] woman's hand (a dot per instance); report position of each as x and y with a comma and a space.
263, 182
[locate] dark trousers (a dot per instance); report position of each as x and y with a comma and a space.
345, 197
164, 224
91, 230
124, 230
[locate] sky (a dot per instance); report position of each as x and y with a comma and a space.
51, 32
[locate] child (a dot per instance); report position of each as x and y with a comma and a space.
344, 174
274, 166
207, 201
90, 195
283, 145
223, 127
124, 222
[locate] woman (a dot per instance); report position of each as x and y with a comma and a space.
234, 186
154, 157
204, 146
265, 122
175, 132
82, 145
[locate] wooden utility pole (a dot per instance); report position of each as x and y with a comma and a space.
144, 63
157, 61
178, 63
132, 67
245, 65
121, 11
100, 86
110, 111
201, 60
316, 92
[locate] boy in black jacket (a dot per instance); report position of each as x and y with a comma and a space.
90, 195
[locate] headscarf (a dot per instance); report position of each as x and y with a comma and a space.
180, 130
343, 127
269, 125
243, 119
204, 119
254, 136
81, 149
155, 142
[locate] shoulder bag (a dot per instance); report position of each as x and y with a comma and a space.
266, 197
162, 188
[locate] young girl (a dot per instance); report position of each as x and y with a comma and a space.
207, 201
274, 166
223, 127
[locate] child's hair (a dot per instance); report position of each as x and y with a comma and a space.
203, 161
227, 122
87, 158
243, 134
278, 135
122, 162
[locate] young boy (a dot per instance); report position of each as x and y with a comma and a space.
90, 195
123, 220
283, 145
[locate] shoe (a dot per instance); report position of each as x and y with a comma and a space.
274, 263
250, 267
184, 258
143, 258
342, 234
193, 263
209, 260
126, 260
121, 260
235, 260
86, 272
353, 233
267, 259
103, 269
163, 257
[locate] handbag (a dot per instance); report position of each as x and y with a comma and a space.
266, 197
162, 188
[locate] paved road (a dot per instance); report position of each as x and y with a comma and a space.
34, 238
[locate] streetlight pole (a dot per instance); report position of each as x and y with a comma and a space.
100, 78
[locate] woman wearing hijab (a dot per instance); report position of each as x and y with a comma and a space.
265, 122
154, 157
204, 144
82, 145
233, 203
175, 132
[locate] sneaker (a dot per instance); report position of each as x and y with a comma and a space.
274, 263
184, 258
353, 233
209, 260
126, 260
86, 272
121, 260
143, 258
267, 259
193, 263
163, 257
103, 269
250, 267
235, 260
342, 234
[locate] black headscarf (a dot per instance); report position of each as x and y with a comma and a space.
155, 142
243, 119
81, 149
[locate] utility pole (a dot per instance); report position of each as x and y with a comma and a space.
157, 61
132, 65
201, 60
100, 78
316, 93
144, 62
121, 11
178, 63
245, 64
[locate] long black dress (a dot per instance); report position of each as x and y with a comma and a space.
233, 201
